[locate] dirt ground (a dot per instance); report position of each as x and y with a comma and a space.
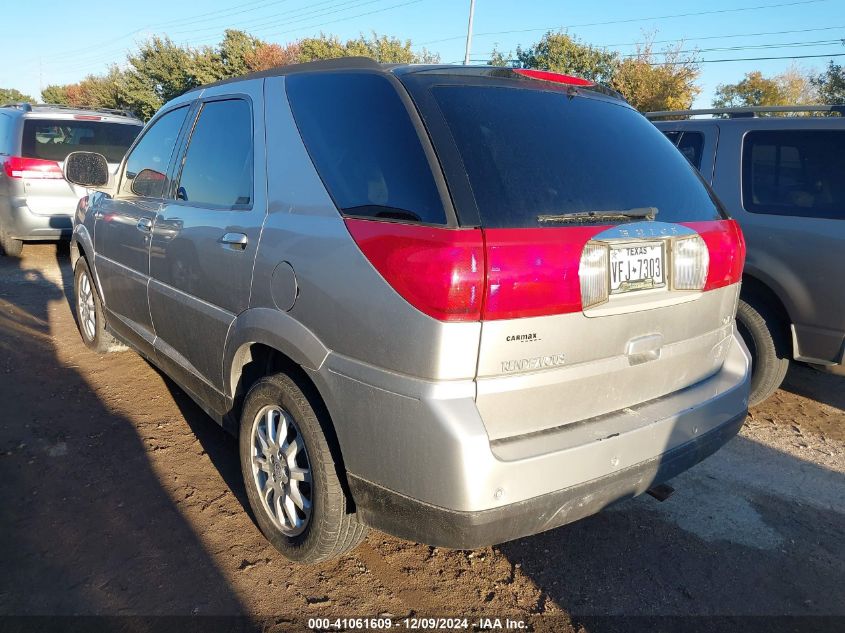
119, 497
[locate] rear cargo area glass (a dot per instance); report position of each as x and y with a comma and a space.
54, 139
531, 152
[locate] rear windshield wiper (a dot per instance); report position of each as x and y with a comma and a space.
587, 217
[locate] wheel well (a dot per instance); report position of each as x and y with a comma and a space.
257, 360
759, 294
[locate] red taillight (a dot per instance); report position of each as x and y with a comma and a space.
726, 245
87, 117
545, 75
438, 271
493, 274
534, 272
17, 167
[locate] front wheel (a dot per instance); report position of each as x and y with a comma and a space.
291, 474
89, 311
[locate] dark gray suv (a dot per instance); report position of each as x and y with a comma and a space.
783, 179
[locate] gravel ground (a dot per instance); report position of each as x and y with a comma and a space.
119, 497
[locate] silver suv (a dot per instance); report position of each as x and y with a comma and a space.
418, 306
36, 202
783, 179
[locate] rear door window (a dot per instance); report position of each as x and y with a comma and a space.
530, 152
794, 172
364, 146
51, 139
218, 165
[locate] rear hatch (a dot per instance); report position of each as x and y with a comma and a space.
46, 143
610, 271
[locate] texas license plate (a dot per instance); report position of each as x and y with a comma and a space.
636, 266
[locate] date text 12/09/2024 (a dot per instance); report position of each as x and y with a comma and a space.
416, 624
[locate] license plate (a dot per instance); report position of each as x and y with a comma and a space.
636, 266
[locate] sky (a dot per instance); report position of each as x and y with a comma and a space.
67, 40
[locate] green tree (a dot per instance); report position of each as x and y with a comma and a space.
498, 58
560, 52
831, 84
236, 49
791, 87
378, 47
650, 85
11, 95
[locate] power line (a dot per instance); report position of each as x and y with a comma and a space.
629, 20
745, 48
750, 59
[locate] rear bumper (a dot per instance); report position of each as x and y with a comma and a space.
416, 521
25, 225
421, 465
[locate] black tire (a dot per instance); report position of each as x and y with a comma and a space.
9, 246
331, 529
94, 336
765, 336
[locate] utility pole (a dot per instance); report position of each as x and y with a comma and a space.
469, 31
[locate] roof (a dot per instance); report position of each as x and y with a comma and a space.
747, 112
57, 108
367, 63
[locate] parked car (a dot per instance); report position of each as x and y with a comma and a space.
783, 179
36, 202
418, 308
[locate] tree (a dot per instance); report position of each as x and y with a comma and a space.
268, 56
11, 95
651, 85
55, 94
236, 49
563, 53
830, 84
791, 87
378, 47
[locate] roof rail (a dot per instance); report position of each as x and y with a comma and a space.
748, 111
21, 105
28, 107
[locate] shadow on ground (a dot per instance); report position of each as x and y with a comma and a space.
87, 527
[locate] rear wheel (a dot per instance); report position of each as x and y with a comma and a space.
764, 334
9, 246
89, 311
291, 476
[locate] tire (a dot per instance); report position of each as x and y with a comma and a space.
89, 311
765, 337
9, 246
317, 499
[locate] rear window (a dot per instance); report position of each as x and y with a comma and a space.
533, 152
55, 139
364, 146
794, 172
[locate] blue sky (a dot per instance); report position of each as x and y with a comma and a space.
74, 39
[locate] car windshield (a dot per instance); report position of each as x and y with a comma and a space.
532, 153
54, 139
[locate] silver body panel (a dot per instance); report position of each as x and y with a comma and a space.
420, 407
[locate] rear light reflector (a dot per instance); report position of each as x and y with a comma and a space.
17, 167
690, 262
439, 271
593, 274
545, 75
726, 248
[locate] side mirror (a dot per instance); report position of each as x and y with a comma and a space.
87, 169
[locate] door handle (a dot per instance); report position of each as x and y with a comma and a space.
145, 225
235, 241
